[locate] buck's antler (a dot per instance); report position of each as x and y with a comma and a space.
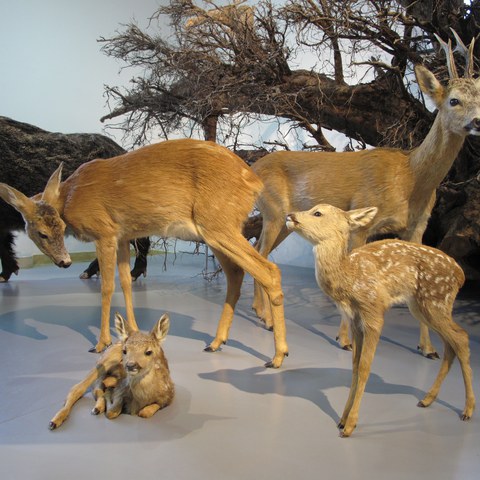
460, 47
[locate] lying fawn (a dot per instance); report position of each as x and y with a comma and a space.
188, 189
400, 183
367, 281
132, 376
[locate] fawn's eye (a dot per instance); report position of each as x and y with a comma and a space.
317, 214
148, 353
124, 351
454, 102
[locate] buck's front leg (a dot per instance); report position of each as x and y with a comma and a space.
106, 254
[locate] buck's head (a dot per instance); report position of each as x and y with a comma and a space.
43, 223
328, 223
458, 103
142, 351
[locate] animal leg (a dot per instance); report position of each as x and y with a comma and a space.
106, 254
126, 280
149, 410
241, 253
7, 256
357, 345
273, 233
342, 335
91, 270
142, 246
371, 336
234, 276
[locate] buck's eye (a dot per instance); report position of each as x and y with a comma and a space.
317, 214
124, 351
454, 102
43, 235
148, 353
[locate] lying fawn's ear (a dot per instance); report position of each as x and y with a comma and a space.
160, 330
121, 326
361, 217
17, 200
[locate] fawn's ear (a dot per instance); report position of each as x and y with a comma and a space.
52, 189
17, 200
429, 85
361, 217
121, 327
160, 330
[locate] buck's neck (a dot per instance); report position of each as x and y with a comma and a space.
433, 158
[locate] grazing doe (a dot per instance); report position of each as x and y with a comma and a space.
400, 183
188, 189
367, 281
132, 376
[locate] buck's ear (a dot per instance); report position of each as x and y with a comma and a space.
52, 189
429, 85
160, 330
121, 327
17, 200
361, 217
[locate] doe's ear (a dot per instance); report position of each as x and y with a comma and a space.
52, 189
160, 329
429, 85
121, 327
361, 217
17, 200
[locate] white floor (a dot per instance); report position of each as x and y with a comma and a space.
232, 418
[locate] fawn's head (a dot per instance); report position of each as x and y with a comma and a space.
326, 222
43, 223
142, 351
459, 103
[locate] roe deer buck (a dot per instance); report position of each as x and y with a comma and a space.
132, 376
231, 16
401, 184
367, 281
189, 189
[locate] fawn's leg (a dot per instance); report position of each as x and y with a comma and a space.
371, 336
149, 410
357, 345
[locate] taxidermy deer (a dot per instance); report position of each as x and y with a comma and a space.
401, 184
188, 189
367, 281
132, 376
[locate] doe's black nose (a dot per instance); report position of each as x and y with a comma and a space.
63, 264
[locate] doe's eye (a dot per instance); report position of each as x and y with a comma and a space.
454, 102
148, 353
317, 214
43, 235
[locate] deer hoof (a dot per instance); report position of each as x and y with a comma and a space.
421, 404
52, 426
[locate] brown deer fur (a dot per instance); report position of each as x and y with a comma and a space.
132, 376
365, 282
189, 189
401, 184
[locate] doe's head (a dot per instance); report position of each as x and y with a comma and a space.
43, 223
326, 222
142, 351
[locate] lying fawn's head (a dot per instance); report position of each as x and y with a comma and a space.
43, 223
459, 103
142, 352
326, 222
